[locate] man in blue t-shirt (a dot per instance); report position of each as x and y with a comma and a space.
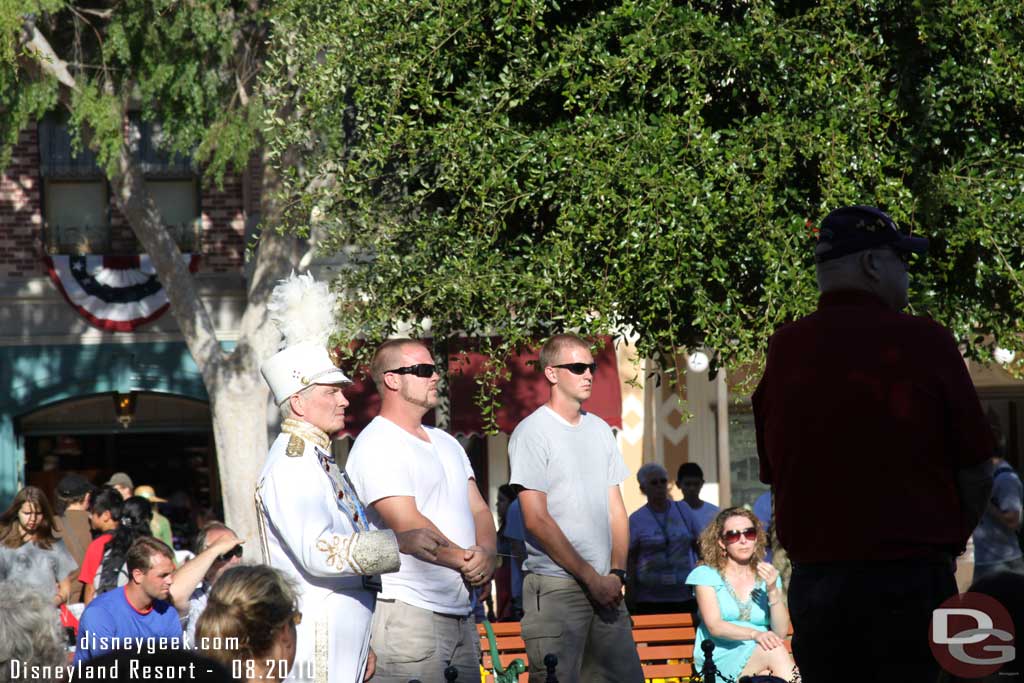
515, 532
996, 547
690, 480
138, 616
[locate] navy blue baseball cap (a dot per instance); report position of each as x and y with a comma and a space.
856, 228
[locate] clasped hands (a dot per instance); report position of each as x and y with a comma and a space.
477, 565
605, 590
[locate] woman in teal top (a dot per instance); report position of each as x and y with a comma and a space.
740, 600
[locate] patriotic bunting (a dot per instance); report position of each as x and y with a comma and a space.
114, 293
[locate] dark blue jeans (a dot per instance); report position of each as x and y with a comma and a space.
867, 621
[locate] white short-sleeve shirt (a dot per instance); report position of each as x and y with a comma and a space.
388, 461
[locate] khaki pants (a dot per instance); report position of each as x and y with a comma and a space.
411, 642
592, 645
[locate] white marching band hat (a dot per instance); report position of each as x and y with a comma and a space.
303, 309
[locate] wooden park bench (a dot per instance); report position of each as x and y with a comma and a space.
664, 643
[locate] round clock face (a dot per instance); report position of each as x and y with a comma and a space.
697, 362
1004, 356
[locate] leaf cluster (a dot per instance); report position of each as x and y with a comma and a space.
190, 66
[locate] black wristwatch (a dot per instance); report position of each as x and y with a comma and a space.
621, 573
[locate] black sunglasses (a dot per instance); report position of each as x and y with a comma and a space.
234, 552
423, 370
578, 368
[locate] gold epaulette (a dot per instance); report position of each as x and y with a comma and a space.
296, 446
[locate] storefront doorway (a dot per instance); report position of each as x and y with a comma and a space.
165, 441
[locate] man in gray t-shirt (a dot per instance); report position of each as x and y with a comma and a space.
577, 531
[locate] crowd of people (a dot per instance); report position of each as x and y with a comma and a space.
376, 569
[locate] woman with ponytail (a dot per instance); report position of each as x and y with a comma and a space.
135, 518
249, 623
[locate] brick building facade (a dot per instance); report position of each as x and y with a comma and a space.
223, 211
58, 372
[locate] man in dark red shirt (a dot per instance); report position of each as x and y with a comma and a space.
872, 437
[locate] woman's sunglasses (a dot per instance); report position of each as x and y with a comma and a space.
422, 370
730, 537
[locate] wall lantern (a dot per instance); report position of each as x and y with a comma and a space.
124, 408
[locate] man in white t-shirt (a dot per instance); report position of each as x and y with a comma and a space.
415, 476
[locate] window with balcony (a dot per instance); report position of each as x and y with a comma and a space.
76, 196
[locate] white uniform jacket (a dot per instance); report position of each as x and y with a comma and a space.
313, 528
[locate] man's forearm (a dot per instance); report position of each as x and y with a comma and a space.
620, 543
620, 549
188, 577
486, 536
619, 522
450, 556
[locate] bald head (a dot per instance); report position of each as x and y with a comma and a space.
843, 272
879, 271
388, 357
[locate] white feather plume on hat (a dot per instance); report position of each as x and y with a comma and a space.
303, 309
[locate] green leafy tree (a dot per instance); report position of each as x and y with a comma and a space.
518, 167
193, 67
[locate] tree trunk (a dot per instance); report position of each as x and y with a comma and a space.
237, 392
239, 411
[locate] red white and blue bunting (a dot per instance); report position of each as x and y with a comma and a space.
114, 293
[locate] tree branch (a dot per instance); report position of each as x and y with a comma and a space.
187, 307
46, 56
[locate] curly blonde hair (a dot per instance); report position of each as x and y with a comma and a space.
250, 603
713, 555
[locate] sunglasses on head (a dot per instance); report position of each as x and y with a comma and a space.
423, 370
732, 536
234, 552
578, 368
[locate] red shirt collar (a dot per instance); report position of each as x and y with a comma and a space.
137, 610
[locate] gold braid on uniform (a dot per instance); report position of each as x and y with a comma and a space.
320, 654
305, 431
261, 523
367, 552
